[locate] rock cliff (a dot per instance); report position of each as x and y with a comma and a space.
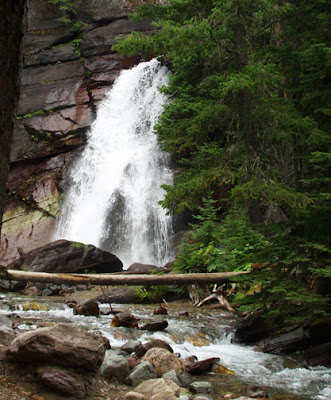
68, 68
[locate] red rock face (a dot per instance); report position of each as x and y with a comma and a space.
61, 88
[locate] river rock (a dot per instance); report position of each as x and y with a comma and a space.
67, 256
61, 381
153, 343
134, 396
125, 319
65, 345
154, 326
87, 308
131, 346
7, 335
252, 328
202, 387
164, 396
161, 310
141, 372
5, 321
172, 376
295, 340
154, 386
142, 268
115, 366
163, 361
34, 306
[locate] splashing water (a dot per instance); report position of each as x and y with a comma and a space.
115, 184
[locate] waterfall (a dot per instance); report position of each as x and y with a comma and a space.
115, 184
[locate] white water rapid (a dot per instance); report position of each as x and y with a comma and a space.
115, 184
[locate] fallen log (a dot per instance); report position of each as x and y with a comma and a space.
117, 279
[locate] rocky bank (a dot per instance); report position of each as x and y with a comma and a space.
68, 68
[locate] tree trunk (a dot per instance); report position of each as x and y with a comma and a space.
117, 279
11, 33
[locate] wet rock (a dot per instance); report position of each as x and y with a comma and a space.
34, 307
154, 326
202, 387
252, 328
66, 256
154, 386
294, 340
161, 310
141, 372
115, 366
87, 308
202, 397
201, 366
316, 355
221, 369
153, 343
62, 382
65, 345
125, 319
131, 346
163, 361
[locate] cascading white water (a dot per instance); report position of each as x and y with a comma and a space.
115, 184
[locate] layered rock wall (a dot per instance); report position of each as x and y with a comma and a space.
67, 72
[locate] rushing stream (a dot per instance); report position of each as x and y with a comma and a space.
116, 182
205, 334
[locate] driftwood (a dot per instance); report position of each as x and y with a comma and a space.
217, 294
118, 279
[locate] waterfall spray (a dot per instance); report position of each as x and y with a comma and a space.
116, 182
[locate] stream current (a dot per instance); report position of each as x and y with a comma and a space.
204, 333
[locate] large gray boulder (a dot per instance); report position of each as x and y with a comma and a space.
61, 344
64, 256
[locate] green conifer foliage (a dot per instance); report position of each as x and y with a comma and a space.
247, 121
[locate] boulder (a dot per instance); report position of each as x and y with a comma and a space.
164, 396
154, 326
141, 372
294, 340
154, 386
87, 308
142, 268
115, 366
64, 256
153, 343
252, 328
163, 361
125, 319
61, 381
65, 345
131, 346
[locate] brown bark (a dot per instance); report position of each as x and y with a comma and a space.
116, 279
11, 34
